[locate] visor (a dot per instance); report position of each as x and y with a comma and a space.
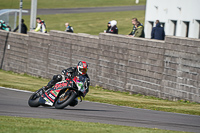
83, 70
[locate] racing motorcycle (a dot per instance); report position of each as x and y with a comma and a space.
61, 95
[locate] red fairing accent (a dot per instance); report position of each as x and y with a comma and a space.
60, 85
53, 93
49, 97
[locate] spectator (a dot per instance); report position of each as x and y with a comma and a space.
134, 20
139, 30
41, 25
69, 28
108, 27
23, 27
158, 32
4, 26
113, 28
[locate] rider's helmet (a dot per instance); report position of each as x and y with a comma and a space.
82, 67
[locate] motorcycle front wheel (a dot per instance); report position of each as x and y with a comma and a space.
65, 99
34, 99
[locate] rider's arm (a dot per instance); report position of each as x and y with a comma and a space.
68, 70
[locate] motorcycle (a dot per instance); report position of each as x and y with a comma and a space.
61, 95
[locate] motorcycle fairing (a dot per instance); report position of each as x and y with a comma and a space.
49, 97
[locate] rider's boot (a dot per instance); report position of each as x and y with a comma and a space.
42, 90
45, 88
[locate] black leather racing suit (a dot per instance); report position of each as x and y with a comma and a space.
71, 72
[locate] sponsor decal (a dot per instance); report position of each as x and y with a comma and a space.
48, 102
54, 93
51, 96
61, 84
46, 95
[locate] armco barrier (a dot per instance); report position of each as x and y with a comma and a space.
167, 69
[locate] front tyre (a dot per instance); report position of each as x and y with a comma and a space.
34, 99
65, 99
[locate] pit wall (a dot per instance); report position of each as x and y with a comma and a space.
166, 69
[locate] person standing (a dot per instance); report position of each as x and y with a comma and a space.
41, 25
134, 21
158, 32
113, 28
69, 28
23, 27
4, 26
108, 27
139, 30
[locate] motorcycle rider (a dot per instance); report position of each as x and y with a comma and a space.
72, 72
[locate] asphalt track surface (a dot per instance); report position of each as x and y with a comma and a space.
14, 103
87, 10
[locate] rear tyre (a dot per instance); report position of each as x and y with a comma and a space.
65, 99
34, 99
74, 102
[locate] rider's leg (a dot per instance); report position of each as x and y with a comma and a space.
52, 82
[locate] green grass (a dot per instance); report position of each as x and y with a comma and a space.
21, 81
97, 94
36, 125
91, 23
14, 4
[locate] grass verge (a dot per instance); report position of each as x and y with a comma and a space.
91, 23
36, 125
10, 4
97, 94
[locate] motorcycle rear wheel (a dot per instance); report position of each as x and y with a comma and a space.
65, 99
34, 99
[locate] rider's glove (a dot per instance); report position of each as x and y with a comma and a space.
66, 73
69, 74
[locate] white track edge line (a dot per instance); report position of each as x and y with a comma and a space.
15, 90
102, 103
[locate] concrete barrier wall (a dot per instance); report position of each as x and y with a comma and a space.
37, 53
16, 53
67, 49
166, 69
113, 61
145, 66
181, 75
3, 41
